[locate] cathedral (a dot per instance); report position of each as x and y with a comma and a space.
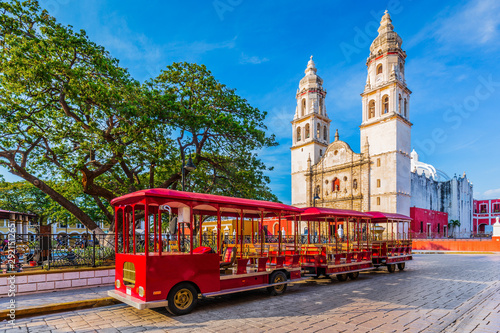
383, 176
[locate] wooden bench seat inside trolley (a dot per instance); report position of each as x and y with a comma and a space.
311, 249
253, 262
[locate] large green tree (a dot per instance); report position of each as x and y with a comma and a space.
69, 114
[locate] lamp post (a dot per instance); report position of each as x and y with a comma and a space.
316, 197
189, 167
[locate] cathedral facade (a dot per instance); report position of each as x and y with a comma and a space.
380, 177
332, 174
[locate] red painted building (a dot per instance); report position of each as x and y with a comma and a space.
271, 226
429, 223
485, 214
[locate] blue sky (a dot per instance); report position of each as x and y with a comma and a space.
262, 48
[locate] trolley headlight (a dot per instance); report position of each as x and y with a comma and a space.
141, 291
117, 284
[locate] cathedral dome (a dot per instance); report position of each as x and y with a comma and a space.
387, 39
311, 79
422, 168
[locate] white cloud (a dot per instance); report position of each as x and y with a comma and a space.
278, 122
490, 194
475, 23
254, 60
114, 33
461, 145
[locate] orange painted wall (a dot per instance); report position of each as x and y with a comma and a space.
457, 245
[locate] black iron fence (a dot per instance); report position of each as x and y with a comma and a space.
54, 250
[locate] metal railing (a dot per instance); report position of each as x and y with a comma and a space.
55, 250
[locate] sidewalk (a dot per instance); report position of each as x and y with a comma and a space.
451, 252
42, 303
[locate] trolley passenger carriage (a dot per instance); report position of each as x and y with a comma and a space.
153, 272
338, 243
392, 244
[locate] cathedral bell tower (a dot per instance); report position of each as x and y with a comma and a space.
386, 127
311, 131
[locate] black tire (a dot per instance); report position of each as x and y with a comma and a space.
353, 276
391, 268
320, 272
401, 266
182, 299
342, 277
277, 277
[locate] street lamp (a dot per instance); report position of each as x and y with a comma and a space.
316, 197
189, 167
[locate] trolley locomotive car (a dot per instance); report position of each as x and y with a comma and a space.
152, 271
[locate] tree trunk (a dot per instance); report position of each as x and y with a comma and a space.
57, 197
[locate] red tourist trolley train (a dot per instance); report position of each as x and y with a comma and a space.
171, 263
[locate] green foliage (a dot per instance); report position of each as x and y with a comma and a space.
24, 197
222, 129
83, 131
454, 224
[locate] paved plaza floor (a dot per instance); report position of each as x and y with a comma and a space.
436, 293
41, 299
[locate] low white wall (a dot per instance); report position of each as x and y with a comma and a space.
49, 281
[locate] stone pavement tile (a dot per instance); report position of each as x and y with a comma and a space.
278, 330
132, 329
250, 330
107, 330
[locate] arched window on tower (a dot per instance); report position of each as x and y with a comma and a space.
308, 132
320, 105
399, 105
355, 184
318, 130
406, 108
325, 134
385, 104
299, 135
335, 184
379, 69
371, 109
303, 107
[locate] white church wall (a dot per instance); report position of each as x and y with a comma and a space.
454, 196
385, 130
424, 192
403, 141
299, 190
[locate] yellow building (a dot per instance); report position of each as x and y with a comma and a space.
228, 227
22, 223
75, 230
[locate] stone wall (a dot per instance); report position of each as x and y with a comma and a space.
58, 280
454, 196
466, 245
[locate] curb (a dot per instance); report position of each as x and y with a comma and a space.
453, 252
32, 311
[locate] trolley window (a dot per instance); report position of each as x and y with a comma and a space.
129, 274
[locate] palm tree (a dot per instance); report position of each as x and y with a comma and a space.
453, 224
